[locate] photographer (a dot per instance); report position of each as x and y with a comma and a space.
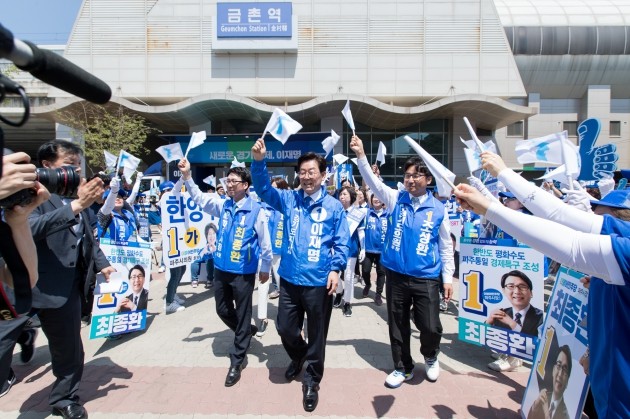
67, 249
17, 174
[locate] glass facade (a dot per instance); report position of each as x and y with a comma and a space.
433, 135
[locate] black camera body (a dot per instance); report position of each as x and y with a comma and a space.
63, 181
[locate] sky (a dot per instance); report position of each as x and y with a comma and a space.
42, 22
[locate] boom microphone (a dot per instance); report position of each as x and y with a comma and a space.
53, 69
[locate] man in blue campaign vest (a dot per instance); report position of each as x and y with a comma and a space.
418, 251
316, 238
375, 230
242, 239
114, 221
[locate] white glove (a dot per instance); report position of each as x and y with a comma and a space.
139, 175
605, 186
578, 198
114, 185
478, 184
361, 255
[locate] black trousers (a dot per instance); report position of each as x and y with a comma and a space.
10, 333
233, 298
294, 302
366, 267
422, 296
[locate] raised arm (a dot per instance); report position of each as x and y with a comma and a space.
383, 192
208, 202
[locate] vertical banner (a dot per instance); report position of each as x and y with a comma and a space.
504, 317
557, 375
120, 304
455, 220
183, 227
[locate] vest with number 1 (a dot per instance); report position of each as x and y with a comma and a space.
237, 244
412, 239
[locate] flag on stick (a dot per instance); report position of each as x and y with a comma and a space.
329, 143
171, 152
380, 154
444, 178
348, 115
196, 139
281, 126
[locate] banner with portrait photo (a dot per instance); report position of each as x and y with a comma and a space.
501, 295
120, 303
343, 172
183, 227
558, 372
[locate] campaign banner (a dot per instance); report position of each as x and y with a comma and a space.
120, 303
354, 216
557, 372
343, 172
501, 295
184, 227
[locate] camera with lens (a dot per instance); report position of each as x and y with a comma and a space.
102, 176
63, 181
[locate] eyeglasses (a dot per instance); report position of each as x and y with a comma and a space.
136, 276
414, 176
310, 173
564, 369
522, 287
232, 181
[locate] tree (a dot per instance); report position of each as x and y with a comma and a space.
110, 128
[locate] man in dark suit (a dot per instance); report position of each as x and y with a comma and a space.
139, 297
67, 252
520, 317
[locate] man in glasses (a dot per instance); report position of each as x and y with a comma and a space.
242, 239
418, 257
315, 249
550, 402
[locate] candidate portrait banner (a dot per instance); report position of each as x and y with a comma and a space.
343, 172
115, 310
486, 309
183, 229
355, 216
557, 368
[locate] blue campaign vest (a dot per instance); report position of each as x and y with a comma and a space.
412, 239
608, 326
237, 241
121, 228
276, 228
375, 231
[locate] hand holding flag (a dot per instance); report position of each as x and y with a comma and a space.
281, 126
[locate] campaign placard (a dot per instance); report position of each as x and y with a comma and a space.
501, 295
558, 382
120, 303
183, 229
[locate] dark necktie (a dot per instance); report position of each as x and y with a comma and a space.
308, 201
517, 319
135, 301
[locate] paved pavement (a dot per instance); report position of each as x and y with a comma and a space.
176, 369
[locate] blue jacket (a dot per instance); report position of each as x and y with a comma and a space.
412, 239
316, 237
121, 228
276, 228
375, 230
237, 242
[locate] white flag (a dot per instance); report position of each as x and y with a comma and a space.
473, 135
473, 157
128, 162
171, 152
355, 161
547, 149
211, 180
281, 126
381, 153
330, 142
110, 160
196, 139
571, 158
444, 178
339, 159
559, 174
236, 163
348, 115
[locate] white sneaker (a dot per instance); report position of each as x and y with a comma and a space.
162, 269
396, 378
505, 363
174, 307
432, 368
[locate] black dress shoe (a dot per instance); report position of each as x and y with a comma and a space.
233, 375
310, 397
72, 411
294, 369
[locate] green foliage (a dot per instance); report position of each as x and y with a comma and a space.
111, 129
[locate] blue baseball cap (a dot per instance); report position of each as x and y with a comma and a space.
166, 185
121, 193
615, 199
506, 194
